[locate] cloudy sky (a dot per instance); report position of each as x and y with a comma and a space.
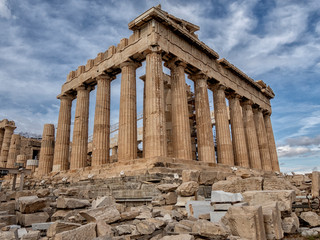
277, 41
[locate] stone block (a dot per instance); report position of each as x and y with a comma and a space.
167, 187
178, 237
182, 201
315, 188
190, 175
71, 203
171, 198
28, 219
277, 183
7, 235
58, 227
21, 232
225, 197
312, 218
84, 232
246, 222
238, 185
9, 206
216, 216
145, 227
8, 219
43, 192
208, 177
31, 235
129, 215
125, 229
103, 201
272, 221
209, 229
284, 197
196, 208
41, 226
180, 228
221, 206
187, 189
108, 214
30, 204
104, 229
290, 224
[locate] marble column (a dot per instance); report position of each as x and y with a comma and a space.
6, 145
80, 129
47, 150
240, 149
14, 150
101, 128
224, 144
127, 139
62, 145
1, 137
206, 152
251, 135
181, 134
262, 139
272, 143
155, 122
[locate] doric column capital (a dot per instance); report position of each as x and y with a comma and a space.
65, 96
153, 49
233, 95
256, 108
266, 112
218, 86
105, 77
10, 127
130, 63
198, 76
175, 62
247, 102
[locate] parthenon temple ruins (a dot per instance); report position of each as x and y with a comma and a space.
162, 39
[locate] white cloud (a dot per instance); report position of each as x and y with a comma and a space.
4, 9
288, 151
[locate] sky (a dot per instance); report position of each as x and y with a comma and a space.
277, 41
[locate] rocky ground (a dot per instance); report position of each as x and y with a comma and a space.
193, 205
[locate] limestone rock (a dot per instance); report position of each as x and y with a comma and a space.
312, 218
31, 204
108, 214
225, 197
71, 203
170, 198
43, 192
190, 175
276, 183
290, 224
284, 197
246, 222
8, 219
125, 229
129, 215
104, 229
182, 201
208, 177
178, 237
159, 223
85, 232
180, 228
9, 206
103, 201
309, 233
7, 235
60, 226
29, 219
167, 187
272, 221
188, 189
145, 227
208, 229
238, 185
31, 235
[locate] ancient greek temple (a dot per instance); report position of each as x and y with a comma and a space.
245, 138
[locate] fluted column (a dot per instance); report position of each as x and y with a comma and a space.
6, 145
272, 143
155, 123
80, 129
47, 150
205, 143
224, 144
262, 139
240, 150
14, 150
181, 135
61, 150
127, 139
101, 128
251, 135
1, 137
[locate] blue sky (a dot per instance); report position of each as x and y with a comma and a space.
276, 41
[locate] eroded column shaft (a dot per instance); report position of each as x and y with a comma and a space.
101, 128
155, 123
80, 130
47, 150
14, 150
205, 143
262, 140
223, 138
181, 135
238, 136
5, 146
127, 140
272, 143
61, 150
1, 137
251, 136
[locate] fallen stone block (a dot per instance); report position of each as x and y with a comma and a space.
30, 204
196, 208
103, 201
225, 197
284, 197
71, 203
208, 177
108, 214
7, 235
190, 175
30, 218
41, 193
31, 235
104, 229
246, 222
221, 206
59, 226
145, 227
315, 187
182, 201
41, 226
84, 232
125, 229
216, 216
180, 228
276, 183
8, 219
272, 221
290, 224
209, 229
129, 215
188, 189
167, 187
21, 232
312, 218
178, 237
9, 206
238, 185
171, 198
309, 233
